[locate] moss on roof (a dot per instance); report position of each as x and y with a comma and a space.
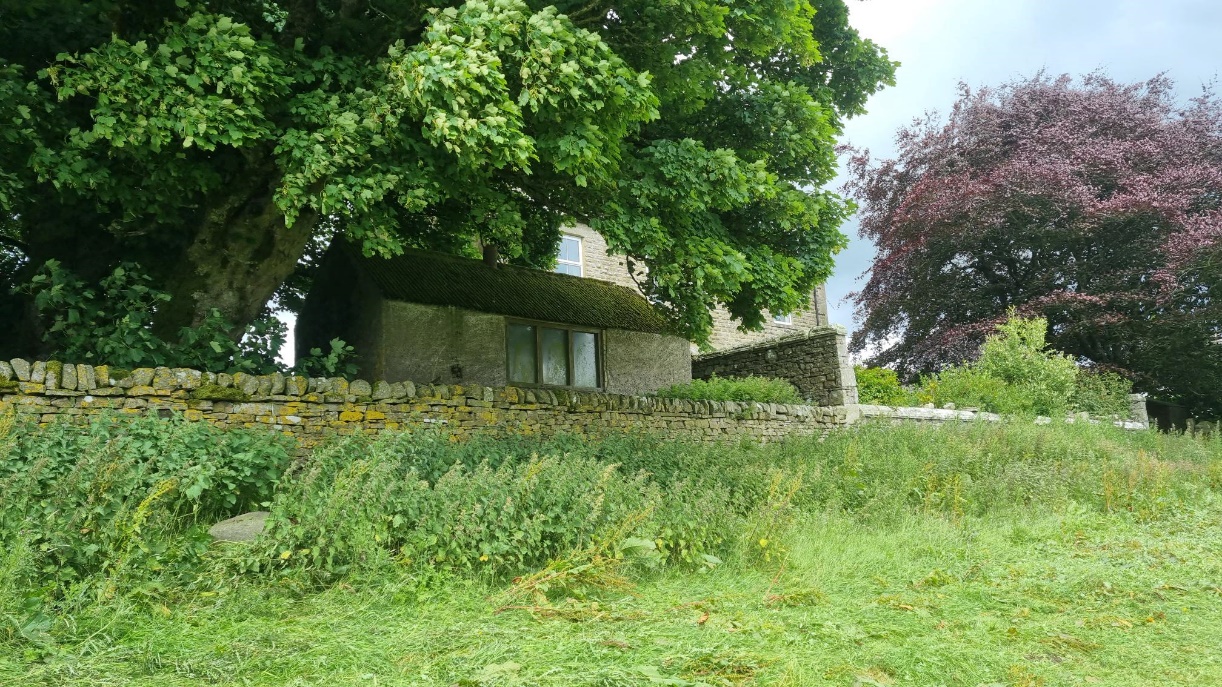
439, 279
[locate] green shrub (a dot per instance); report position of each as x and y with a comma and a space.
337, 362
1015, 374
880, 386
1038, 380
1103, 394
119, 492
750, 388
111, 323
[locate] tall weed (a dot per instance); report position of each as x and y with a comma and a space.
388, 500
120, 493
120, 507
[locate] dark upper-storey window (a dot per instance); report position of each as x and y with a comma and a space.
550, 355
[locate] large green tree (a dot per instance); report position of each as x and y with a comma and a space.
219, 142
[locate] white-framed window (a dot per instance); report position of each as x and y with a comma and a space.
568, 258
786, 320
553, 355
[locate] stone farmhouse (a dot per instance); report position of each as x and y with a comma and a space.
583, 253
439, 319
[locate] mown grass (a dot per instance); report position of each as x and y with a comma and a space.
970, 555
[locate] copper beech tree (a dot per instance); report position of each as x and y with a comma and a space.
217, 143
1095, 204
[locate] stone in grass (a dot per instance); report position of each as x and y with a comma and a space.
245, 527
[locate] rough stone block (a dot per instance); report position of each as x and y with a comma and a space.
141, 376
380, 391
254, 409
187, 378
67, 378
245, 527
360, 387
86, 378
38, 372
224, 380
249, 384
6, 371
295, 386
277, 384
163, 379
21, 369
398, 391
101, 374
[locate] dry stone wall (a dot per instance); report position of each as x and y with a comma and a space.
816, 361
310, 408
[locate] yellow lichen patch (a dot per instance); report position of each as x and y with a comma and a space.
351, 416
374, 415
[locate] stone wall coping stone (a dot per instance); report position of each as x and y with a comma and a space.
941, 415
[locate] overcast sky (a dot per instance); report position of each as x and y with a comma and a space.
989, 42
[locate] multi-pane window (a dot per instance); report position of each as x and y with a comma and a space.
552, 356
783, 319
568, 259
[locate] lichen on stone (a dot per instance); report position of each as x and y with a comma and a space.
216, 392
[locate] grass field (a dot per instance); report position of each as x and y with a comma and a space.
901, 561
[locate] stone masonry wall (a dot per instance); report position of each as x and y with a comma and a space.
598, 263
816, 361
311, 408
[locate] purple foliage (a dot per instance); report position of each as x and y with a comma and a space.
1095, 204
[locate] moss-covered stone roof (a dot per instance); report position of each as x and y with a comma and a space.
439, 279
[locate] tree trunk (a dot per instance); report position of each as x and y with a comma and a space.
240, 254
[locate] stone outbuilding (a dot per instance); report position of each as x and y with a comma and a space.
440, 319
